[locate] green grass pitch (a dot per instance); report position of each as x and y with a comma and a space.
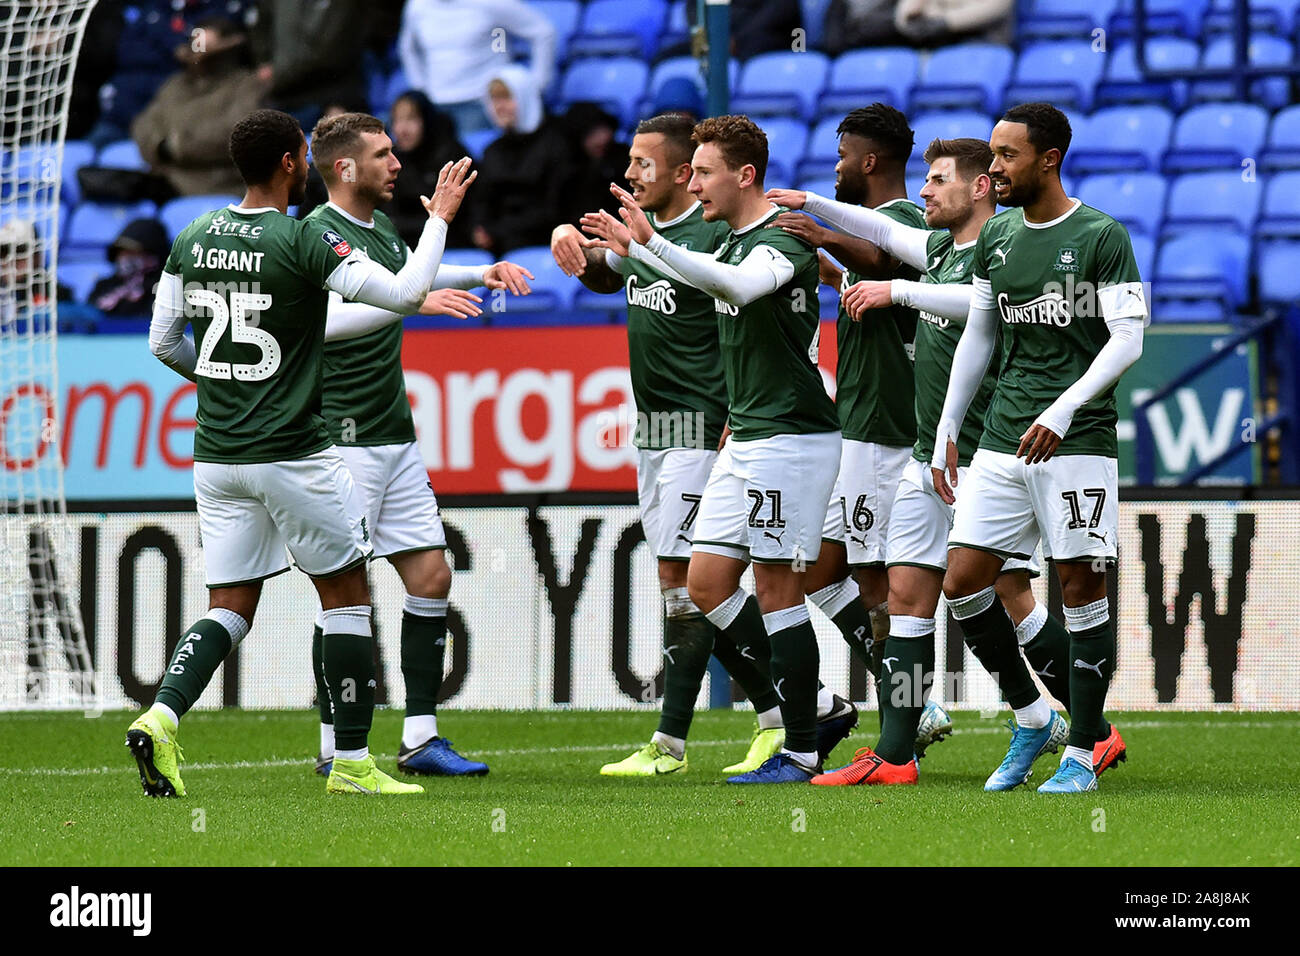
1202, 789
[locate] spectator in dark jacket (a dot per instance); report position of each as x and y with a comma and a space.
598, 158
311, 54
424, 138
522, 176
137, 256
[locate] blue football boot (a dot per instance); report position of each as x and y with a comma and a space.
1027, 746
1071, 777
779, 769
435, 758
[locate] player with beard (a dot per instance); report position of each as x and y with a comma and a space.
368, 416
254, 283
677, 379
874, 393
1062, 278
766, 496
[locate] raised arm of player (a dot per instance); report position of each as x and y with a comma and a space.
970, 363
946, 300
903, 242
167, 338
595, 268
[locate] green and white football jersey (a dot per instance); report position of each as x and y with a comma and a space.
936, 343
673, 350
875, 381
364, 400
254, 288
1045, 280
769, 347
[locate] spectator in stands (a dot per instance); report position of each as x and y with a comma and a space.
424, 138
857, 23
598, 159
937, 22
311, 54
96, 61
137, 256
451, 49
523, 172
216, 84
761, 26
24, 282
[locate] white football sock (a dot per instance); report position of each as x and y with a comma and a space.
1036, 716
770, 719
361, 754
418, 729
327, 740
673, 745
825, 702
167, 712
808, 761
1078, 753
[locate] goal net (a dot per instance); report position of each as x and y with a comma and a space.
44, 659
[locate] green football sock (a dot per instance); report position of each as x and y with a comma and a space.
347, 649
1092, 662
854, 623
688, 642
744, 649
992, 639
318, 670
424, 645
1049, 655
198, 654
794, 675
909, 675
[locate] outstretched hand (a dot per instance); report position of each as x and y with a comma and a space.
454, 180
454, 302
508, 276
609, 232
633, 215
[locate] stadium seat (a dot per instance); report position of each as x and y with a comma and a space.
1062, 72
952, 125
813, 18
1125, 83
1266, 16
677, 28
618, 28
1279, 273
1281, 211
76, 153
468, 257
478, 140
1283, 148
1264, 50
81, 277
94, 225
1135, 199
564, 15
123, 154
785, 148
680, 67
781, 84
616, 82
547, 275
1200, 276
824, 186
1162, 16
1144, 253
1216, 136
598, 308
1121, 138
822, 151
965, 76
860, 77
1210, 199
394, 86
179, 213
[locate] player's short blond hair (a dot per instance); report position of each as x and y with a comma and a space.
739, 138
338, 137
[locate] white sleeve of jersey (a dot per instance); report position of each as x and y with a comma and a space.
167, 338
615, 262
946, 300
362, 280
969, 364
761, 272
905, 243
460, 277
1122, 349
348, 320
1125, 300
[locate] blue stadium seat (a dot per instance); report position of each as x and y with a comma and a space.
1054, 19
1063, 72
1215, 136
1279, 273
1200, 276
785, 148
467, 257
1264, 50
859, 77
1162, 16
33, 171
781, 84
81, 277
1144, 254
951, 125
1121, 138
564, 14
1220, 200
1266, 16
394, 86
123, 154
1281, 212
1125, 83
686, 67
179, 213
822, 151
965, 76
618, 28
823, 186
547, 275
1135, 199
813, 19
76, 153
676, 30
447, 322
617, 82
94, 225
598, 308
478, 140
1283, 148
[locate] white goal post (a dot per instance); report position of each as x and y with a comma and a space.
45, 662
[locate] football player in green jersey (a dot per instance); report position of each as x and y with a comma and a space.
367, 414
677, 379
253, 283
874, 385
766, 496
1062, 278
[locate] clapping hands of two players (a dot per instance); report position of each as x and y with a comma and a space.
454, 180
465, 305
615, 235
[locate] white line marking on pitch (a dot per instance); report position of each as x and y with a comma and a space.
603, 748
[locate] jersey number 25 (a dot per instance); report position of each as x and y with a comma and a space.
235, 316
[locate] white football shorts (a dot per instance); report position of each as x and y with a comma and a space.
670, 485
859, 512
396, 496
